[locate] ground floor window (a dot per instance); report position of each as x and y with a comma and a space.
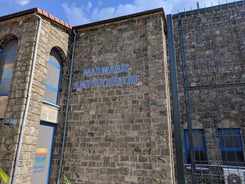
231, 146
199, 146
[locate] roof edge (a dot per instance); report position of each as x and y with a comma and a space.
39, 12
68, 26
120, 18
18, 14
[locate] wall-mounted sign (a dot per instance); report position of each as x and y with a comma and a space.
107, 81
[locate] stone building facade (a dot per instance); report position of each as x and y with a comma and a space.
93, 102
119, 128
118, 125
210, 64
23, 108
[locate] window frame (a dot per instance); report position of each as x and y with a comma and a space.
237, 134
195, 149
49, 86
1, 122
2, 53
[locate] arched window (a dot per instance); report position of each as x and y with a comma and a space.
53, 78
7, 60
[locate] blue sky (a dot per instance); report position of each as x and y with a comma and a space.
77, 12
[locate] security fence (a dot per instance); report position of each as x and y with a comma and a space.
207, 63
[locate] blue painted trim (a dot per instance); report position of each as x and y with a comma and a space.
8, 53
54, 64
236, 133
1, 95
186, 143
52, 88
51, 147
203, 147
59, 83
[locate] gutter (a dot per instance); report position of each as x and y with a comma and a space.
67, 108
23, 124
40, 12
121, 18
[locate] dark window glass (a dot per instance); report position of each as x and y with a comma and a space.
1, 122
7, 60
199, 147
230, 139
231, 146
200, 157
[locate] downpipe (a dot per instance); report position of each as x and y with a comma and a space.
67, 109
27, 101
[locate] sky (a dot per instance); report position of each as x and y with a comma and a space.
78, 12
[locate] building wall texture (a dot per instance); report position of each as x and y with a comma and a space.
119, 115
18, 93
121, 134
25, 29
214, 51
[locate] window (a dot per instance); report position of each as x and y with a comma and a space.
231, 146
1, 122
53, 78
199, 147
7, 60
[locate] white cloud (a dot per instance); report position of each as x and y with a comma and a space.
89, 5
75, 15
23, 2
88, 13
85, 14
125, 9
104, 13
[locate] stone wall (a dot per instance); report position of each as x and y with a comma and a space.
18, 92
3, 103
54, 36
214, 50
119, 127
51, 35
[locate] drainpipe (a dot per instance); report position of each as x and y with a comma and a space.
27, 101
175, 102
67, 108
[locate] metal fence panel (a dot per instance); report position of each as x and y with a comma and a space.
210, 57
